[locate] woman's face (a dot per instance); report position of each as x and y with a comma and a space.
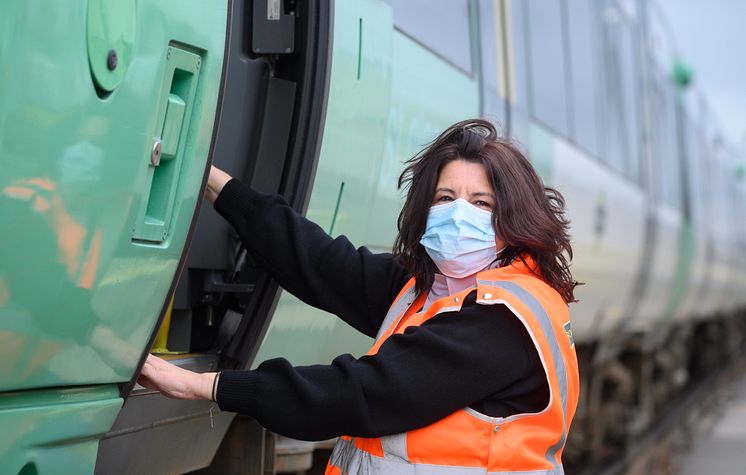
468, 181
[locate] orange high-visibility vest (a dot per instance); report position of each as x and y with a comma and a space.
468, 442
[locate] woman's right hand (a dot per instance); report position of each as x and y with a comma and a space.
175, 382
215, 183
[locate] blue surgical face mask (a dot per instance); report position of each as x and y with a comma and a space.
459, 238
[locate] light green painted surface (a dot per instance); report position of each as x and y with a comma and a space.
78, 298
541, 152
110, 30
405, 96
56, 432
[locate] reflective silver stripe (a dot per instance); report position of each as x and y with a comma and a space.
559, 362
353, 461
399, 306
343, 455
492, 420
395, 446
428, 469
454, 308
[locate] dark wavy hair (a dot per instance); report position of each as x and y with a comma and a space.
528, 216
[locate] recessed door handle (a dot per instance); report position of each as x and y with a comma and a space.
175, 104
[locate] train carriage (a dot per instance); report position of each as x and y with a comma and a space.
111, 111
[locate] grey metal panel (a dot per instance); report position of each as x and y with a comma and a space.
154, 435
266, 175
236, 143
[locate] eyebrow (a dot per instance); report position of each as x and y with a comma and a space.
478, 193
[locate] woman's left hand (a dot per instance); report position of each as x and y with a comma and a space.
175, 382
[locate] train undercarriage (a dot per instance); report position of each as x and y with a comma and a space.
624, 395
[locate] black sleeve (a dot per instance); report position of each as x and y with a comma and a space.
456, 359
329, 274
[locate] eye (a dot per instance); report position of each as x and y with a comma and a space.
483, 204
443, 199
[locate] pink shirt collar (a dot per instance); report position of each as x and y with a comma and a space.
444, 286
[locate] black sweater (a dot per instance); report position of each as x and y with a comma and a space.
480, 357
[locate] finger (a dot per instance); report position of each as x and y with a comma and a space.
149, 365
148, 373
146, 382
152, 366
158, 363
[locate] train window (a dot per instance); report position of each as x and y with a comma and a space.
442, 26
547, 65
666, 166
622, 107
584, 83
515, 21
494, 90
668, 162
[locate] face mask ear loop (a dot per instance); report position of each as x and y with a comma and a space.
497, 258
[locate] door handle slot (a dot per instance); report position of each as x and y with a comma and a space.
165, 160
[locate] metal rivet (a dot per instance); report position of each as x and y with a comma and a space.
487, 296
155, 154
496, 429
168, 53
112, 60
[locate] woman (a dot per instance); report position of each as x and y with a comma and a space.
473, 369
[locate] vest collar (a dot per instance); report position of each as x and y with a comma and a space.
521, 265
449, 302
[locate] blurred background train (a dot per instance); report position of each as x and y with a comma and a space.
111, 111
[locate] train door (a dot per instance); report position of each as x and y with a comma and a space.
701, 302
659, 174
694, 143
106, 118
672, 239
267, 133
721, 298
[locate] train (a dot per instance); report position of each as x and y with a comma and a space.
112, 111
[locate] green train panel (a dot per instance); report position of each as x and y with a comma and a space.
55, 431
106, 122
93, 231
